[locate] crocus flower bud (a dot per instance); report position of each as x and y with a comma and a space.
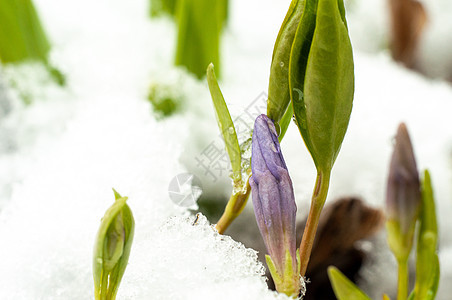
403, 196
112, 248
274, 206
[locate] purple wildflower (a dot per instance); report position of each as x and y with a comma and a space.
403, 196
274, 203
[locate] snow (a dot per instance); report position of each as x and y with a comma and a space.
61, 155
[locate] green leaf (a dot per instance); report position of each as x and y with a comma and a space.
112, 248
285, 122
321, 67
225, 124
199, 29
21, 34
159, 7
427, 262
343, 288
278, 87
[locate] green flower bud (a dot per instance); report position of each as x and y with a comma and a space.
112, 248
321, 79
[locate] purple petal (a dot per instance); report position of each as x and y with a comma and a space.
273, 196
266, 152
403, 196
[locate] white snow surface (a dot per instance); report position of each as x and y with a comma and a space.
60, 157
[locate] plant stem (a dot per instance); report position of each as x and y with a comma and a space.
233, 209
402, 288
317, 202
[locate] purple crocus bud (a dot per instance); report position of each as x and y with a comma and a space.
403, 196
274, 206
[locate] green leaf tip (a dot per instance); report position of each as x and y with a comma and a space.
117, 195
112, 248
344, 288
225, 124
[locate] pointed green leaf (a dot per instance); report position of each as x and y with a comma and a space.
278, 87
343, 288
427, 262
225, 124
321, 67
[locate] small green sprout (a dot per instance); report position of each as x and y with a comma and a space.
112, 249
241, 187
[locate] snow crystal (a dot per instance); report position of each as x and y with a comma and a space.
186, 258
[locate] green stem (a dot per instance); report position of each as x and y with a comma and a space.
233, 209
103, 288
402, 290
318, 200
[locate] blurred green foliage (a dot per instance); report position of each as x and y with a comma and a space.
164, 101
22, 36
159, 7
200, 23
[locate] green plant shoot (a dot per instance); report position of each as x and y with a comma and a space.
22, 36
322, 79
427, 262
159, 7
112, 249
241, 187
312, 68
200, 24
